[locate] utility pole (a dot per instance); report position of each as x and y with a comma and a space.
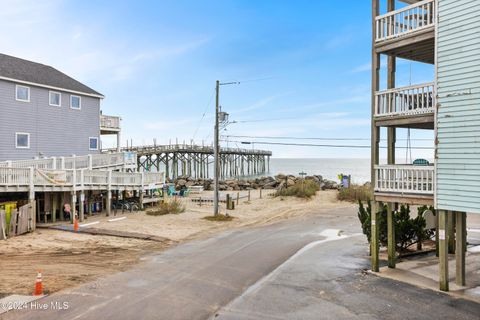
216, 153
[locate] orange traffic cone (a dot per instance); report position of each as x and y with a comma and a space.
38, 285
75, 224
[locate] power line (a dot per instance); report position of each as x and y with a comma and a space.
204, 113
320, 145
313, 138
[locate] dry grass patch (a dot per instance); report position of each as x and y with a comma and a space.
219, 217
355, 193
301, 189
170, 207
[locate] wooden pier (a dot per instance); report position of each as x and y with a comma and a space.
197, 161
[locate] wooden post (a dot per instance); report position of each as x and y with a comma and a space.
451, 231
461, 233
81, 206
436, 233
238, 197
62, 203
248, 195
140, 192
374, 240
109, 193
260, 193
443, 250
54, 206
73, 212
375, 134
391, 236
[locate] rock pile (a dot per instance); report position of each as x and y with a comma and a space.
278, 182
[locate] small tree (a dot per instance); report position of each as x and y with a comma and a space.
407, 230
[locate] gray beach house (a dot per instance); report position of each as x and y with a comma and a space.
44, 112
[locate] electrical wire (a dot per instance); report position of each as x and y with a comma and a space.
204, 113
320, 145
314, 138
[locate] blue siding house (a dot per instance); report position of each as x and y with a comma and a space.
446, 35
44, 112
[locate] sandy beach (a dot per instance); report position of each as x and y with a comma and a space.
67, 259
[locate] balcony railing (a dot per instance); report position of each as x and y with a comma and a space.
412, 100
408, 179
109, 122
405, 21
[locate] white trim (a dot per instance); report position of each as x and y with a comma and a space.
59, 100
79, 102
52, 87
89, 148
16, 140
16, 90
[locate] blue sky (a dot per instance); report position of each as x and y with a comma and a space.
304, 66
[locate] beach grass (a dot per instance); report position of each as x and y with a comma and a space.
354, 193
173, 206
301, 189
220, 217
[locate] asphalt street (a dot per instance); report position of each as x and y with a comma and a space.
305, 268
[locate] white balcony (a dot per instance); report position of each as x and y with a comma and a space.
405, 21
405, 179
406, 101
109, 124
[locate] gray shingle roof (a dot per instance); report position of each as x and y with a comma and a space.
24, 70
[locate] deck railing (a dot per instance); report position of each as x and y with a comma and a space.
94, 161
189, 148
405, 179
405, 21
412, 100
80, 179
109, 122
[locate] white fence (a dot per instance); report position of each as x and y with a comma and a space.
78, 179
411, 100
405, 21
93, 161
405, 179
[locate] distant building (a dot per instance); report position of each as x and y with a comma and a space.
44, 112
445, 34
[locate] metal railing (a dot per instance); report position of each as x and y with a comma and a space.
405, 179
405, 21
109, 122
411, 100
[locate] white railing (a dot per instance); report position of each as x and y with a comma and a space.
78, 179
412, 100
188, 148
405, 21
14, 176
109, 122
95, 161
405, 179
153, 177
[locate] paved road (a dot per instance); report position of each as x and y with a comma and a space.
290, 270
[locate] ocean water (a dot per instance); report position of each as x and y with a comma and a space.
359, 169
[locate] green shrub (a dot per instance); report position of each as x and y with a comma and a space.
355, 193
174, 206
301, 189
408, 231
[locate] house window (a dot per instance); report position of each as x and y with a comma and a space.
22, 93
75, 102
93, 143
55, 99
22, 140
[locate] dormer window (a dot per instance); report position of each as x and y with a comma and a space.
22, 93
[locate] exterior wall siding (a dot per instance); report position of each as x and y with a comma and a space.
458, 113
54, 131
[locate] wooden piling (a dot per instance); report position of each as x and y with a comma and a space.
391, 236
461, 245
443, 250
374, 239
